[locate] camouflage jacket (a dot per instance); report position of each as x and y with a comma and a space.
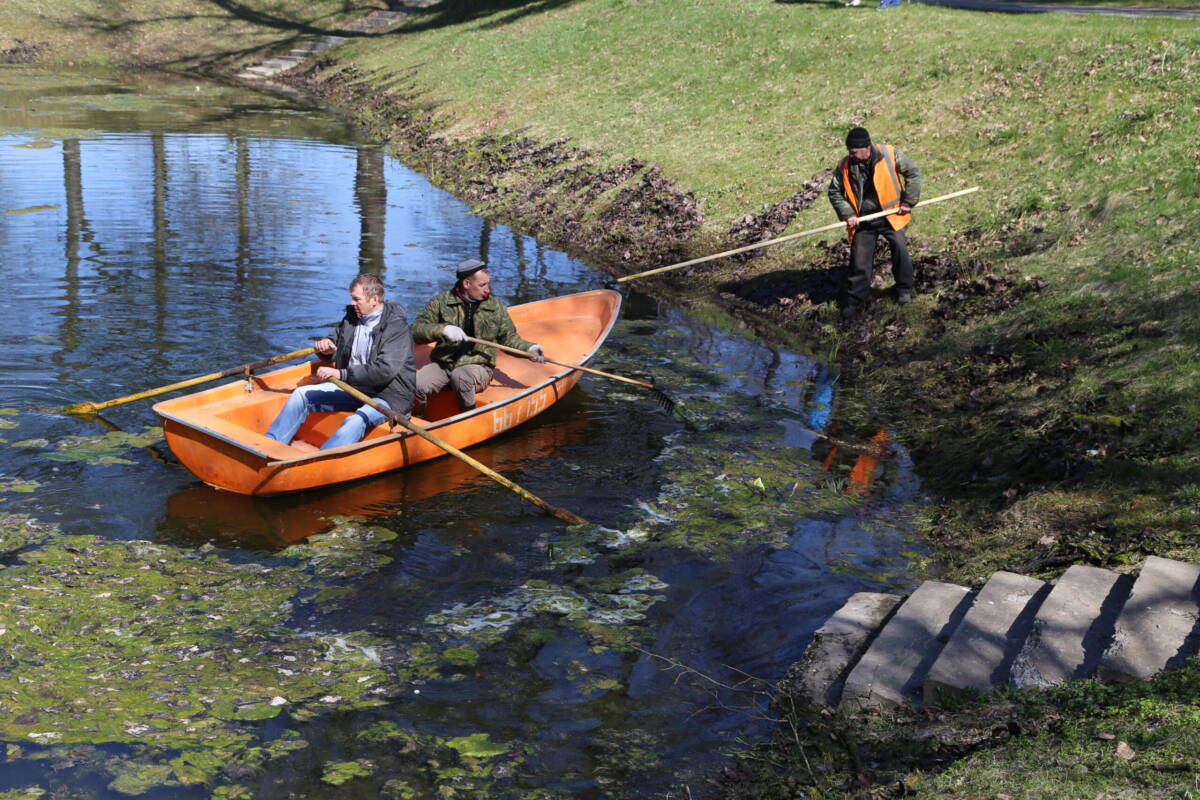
491, 323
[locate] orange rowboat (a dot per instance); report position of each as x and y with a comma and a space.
218, 434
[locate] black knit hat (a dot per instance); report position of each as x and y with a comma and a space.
467, 268
858, 137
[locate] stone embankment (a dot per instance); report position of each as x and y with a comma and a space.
881, 650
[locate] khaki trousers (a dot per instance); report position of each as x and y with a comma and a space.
465, 380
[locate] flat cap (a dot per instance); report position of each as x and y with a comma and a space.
466, 269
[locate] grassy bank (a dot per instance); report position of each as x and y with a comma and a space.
1053, 425
1070, 416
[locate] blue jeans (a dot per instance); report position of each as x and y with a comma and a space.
324, 397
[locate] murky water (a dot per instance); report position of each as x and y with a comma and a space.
440, 639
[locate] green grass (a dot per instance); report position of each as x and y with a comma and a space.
1074, 745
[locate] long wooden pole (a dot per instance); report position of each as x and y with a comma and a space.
777, 240
560, 513
580, 367
244, 369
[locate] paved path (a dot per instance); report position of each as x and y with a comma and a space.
374, 23
1021, 7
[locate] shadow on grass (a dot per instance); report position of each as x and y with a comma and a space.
813, 285
458, 12
229, 11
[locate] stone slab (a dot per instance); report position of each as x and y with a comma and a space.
982, 648
892, 669
837, 645
1069, 630
1157, 626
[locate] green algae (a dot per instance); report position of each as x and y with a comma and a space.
20, 487
105, 449
32, 444
461, 656
55, 133
167, 650
489, 618
350, 548
36, 144
137, 778
18, 532
123, 102
466, 766
397, 789
338, 772
382, 731
477, 745
28, 793
30, 209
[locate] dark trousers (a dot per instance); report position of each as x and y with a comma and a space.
862, 259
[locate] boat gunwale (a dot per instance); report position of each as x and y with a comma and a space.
463, 415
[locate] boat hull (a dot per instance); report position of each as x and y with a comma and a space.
218, 434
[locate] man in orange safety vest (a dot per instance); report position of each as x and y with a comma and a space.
872, 178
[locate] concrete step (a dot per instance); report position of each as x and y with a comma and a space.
894, 666
838, 644
982, 648
1071, 628
1157, 626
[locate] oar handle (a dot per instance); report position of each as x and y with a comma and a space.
91, 408
777, 240
525, 353
560, 513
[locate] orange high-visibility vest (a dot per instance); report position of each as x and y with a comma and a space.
889, 184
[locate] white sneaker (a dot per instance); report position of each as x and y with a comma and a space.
854, 3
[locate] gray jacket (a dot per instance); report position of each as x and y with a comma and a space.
391, 371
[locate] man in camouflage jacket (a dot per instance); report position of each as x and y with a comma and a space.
468, 309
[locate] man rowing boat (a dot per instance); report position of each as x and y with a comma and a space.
468, 309
372, 350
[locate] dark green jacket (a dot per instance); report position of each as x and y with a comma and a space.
491, 323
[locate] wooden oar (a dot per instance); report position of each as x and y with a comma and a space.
560, 513
829, 227
244, 369
660, 396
